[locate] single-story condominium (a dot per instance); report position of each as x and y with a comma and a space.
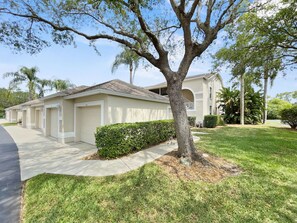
73, 115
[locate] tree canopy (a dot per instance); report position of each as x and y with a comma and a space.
151, 28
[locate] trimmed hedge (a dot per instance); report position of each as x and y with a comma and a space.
120, 139
192, 121
289, 116
211, 121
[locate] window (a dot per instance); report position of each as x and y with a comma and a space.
210, 110
210, 92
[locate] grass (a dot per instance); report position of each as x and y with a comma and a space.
9, 124
265, 192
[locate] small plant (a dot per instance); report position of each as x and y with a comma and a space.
121, 139
192, 121
289, 116
220, 121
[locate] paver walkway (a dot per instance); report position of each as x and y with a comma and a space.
10, 180
39, 154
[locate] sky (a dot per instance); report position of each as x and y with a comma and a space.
83, 66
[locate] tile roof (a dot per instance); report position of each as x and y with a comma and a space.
122, 87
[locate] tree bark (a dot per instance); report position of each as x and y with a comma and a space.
242, 99
265, 96
186, 147
131, 73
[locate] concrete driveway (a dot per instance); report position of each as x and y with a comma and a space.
39, 154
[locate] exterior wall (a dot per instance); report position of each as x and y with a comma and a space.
7, 114
39, 117
28, 116
19, 115
122, 110
217, 87
13, 115
67, 125
55, 103
197, 88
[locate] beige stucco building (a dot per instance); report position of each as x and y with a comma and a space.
200, 94
74, 114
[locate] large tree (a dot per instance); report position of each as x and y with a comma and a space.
150, 28
128, 58
263, 63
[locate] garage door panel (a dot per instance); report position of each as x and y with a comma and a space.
89, 121
54, 123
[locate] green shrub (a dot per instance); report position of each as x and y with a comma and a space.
192, 121
289, 116
123, 138
210, 121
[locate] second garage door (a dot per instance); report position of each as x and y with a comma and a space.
90, 119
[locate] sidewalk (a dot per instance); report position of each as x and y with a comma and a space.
39, 154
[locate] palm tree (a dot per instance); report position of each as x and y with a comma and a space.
61, 85
25, 75
41, 86
129, 58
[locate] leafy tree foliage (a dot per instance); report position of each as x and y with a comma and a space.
61, 85
275, 106
9, 98
229, 100
25, 75
288, 96
29, 77
245, 59
150, 28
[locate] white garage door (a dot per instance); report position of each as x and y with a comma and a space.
54, 122
90, 119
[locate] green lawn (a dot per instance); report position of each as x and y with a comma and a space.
265, 192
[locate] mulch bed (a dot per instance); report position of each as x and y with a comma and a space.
215, 171
94, 156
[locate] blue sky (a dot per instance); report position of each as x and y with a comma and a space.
82, 66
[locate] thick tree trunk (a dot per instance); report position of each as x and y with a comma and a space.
186, 147
265, 97
242, 99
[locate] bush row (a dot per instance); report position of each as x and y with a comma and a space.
211, 121
120, 139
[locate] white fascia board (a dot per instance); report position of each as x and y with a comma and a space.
107, 92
